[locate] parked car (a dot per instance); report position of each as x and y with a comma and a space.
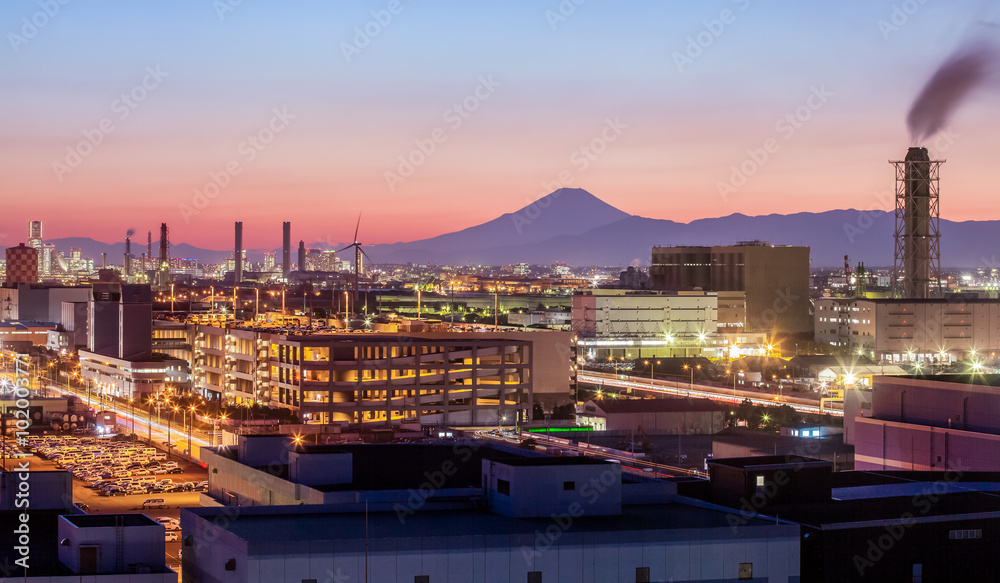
169, 523
171, 536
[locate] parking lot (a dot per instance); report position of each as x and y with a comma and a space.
114, 475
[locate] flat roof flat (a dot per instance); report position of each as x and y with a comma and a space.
263, 524
109, 520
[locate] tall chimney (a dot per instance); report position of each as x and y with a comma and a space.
302, 255
918, 252
128, 257
286, 249
104, 260
238, 255
149, 249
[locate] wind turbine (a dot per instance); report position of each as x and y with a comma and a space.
358, 252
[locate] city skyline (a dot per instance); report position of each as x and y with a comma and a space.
341, 94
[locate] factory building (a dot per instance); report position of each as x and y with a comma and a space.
775, 279
611, 323
935, 423
343, 512
932, 331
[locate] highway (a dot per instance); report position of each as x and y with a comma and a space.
715, 393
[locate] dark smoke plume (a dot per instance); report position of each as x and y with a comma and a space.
130, 232
967, 68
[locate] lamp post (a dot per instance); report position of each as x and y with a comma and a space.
170, 444
131, 403
691, 368
190, 428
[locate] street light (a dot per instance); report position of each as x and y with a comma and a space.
652, 368
691, 386
734, 382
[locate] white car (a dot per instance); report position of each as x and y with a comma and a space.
169, 523
171, 536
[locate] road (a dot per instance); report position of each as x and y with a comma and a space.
706, 391
161, 430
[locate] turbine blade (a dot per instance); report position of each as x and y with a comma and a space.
358, 226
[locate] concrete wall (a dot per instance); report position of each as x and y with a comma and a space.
314, 469
892, 445
140, 545
599, 557
690, 422
541, 490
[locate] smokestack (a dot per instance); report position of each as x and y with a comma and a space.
918, 252
104, 260
164, 268
238, 255
302, 255
128, 256
286, 249
149, 250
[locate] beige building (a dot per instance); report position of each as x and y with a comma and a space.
911, 330
616, 322
428, 377
774, 277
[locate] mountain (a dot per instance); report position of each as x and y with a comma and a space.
575, 227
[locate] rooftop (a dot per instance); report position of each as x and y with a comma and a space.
109, 520
662, 405
295, 523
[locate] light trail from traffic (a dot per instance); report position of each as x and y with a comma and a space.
706, 391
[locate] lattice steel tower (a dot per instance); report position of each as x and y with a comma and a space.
917, 263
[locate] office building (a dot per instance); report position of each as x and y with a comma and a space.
775, 279
119, 320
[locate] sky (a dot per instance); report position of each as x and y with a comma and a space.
429, 117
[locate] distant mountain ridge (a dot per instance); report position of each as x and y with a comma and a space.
575, 227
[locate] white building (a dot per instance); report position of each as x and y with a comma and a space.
615, 322
937, 330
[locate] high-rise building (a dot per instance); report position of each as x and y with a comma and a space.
269, 261
774, 277
22, 264
120, 321
35, 230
